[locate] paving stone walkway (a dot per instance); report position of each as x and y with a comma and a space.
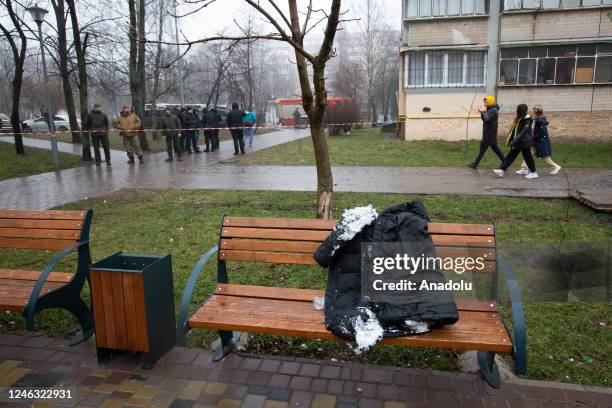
187, 378
63, 147
216, 171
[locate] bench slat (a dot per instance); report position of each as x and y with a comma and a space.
51, 244
310, 247
314, 224
319, 236
43, 215
270, 257
41, 224
308, 295
12, 304
62, 277
38, 233
316, 316
272, 305
498, 342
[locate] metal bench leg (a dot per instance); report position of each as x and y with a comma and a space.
488, 368
229, 339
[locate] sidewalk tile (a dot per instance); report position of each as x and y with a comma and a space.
370, 403
13, 376
216, 388
235, 391
250, 364
323, 401
310, 370
253, 401
335, 387
288, 367
300, 399
106, 388
164, 397
228, 403
270, 366
180, 403
318, 385
279, 380
394, 404
300, 383
276, 404
258, 378
331, 372
192, 390
377, 376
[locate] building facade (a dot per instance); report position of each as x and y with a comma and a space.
555, 53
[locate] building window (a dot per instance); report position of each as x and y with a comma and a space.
444, 8
552, 4
453, 69
565, 64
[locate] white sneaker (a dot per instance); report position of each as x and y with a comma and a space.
522, 172
533, 175
499, 172
555, 170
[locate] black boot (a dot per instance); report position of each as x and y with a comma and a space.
140, 159
169, 159
473, 166
131, 161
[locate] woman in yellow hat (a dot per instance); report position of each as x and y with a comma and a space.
489, 116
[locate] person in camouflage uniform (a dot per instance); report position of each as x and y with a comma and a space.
129, 123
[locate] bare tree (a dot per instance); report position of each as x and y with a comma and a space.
137, 62
80, 48
157, 66
19, 55
62, 61
347, 81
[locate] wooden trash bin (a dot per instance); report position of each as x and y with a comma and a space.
133, 305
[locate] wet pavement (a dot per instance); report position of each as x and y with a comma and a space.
217, 171
186, 377
61, 146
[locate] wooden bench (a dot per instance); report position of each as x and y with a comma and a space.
289, 312
30, 291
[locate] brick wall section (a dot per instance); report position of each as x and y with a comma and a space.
557, 98
447, 32
570, 126
554, 25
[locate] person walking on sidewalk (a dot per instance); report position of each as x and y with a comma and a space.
171, 128
249, 120
234, 124
490, 117
541, 142
190, 122
519, 140
213, 122
296, 118
97, 125
129, 124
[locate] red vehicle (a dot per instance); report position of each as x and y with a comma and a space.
286, 107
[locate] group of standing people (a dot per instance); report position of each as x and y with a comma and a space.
527, 136
179, 127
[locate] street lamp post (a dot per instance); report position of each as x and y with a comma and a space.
38, 15
178, 62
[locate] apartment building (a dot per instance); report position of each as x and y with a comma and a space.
557, 53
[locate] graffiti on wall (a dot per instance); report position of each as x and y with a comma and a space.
443, 125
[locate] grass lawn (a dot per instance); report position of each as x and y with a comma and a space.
185, 224
369, 147
34, 162
156, 146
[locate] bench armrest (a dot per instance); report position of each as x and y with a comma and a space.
518, 318
40, 282
189, 287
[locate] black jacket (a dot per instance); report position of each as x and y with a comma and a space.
190, 120
490, 125
212, 120
520, 134
234, 118
402, 223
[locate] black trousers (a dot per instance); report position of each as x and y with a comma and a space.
483, 149
96, 138
208, 139
513, 154
238, 140
173, 143
214, 135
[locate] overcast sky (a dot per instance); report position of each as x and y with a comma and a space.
214, 18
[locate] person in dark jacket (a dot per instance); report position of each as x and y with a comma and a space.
489, 117
213, 122
541, 142
190, 122
519, 140
171, 128
341, 251
207, 135
234, 123
97, 125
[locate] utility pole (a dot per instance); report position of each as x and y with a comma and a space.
178, 62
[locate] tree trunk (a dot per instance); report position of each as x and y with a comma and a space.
58, 7
157, 69
19, 60
80, 48
315, 104
136, 64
